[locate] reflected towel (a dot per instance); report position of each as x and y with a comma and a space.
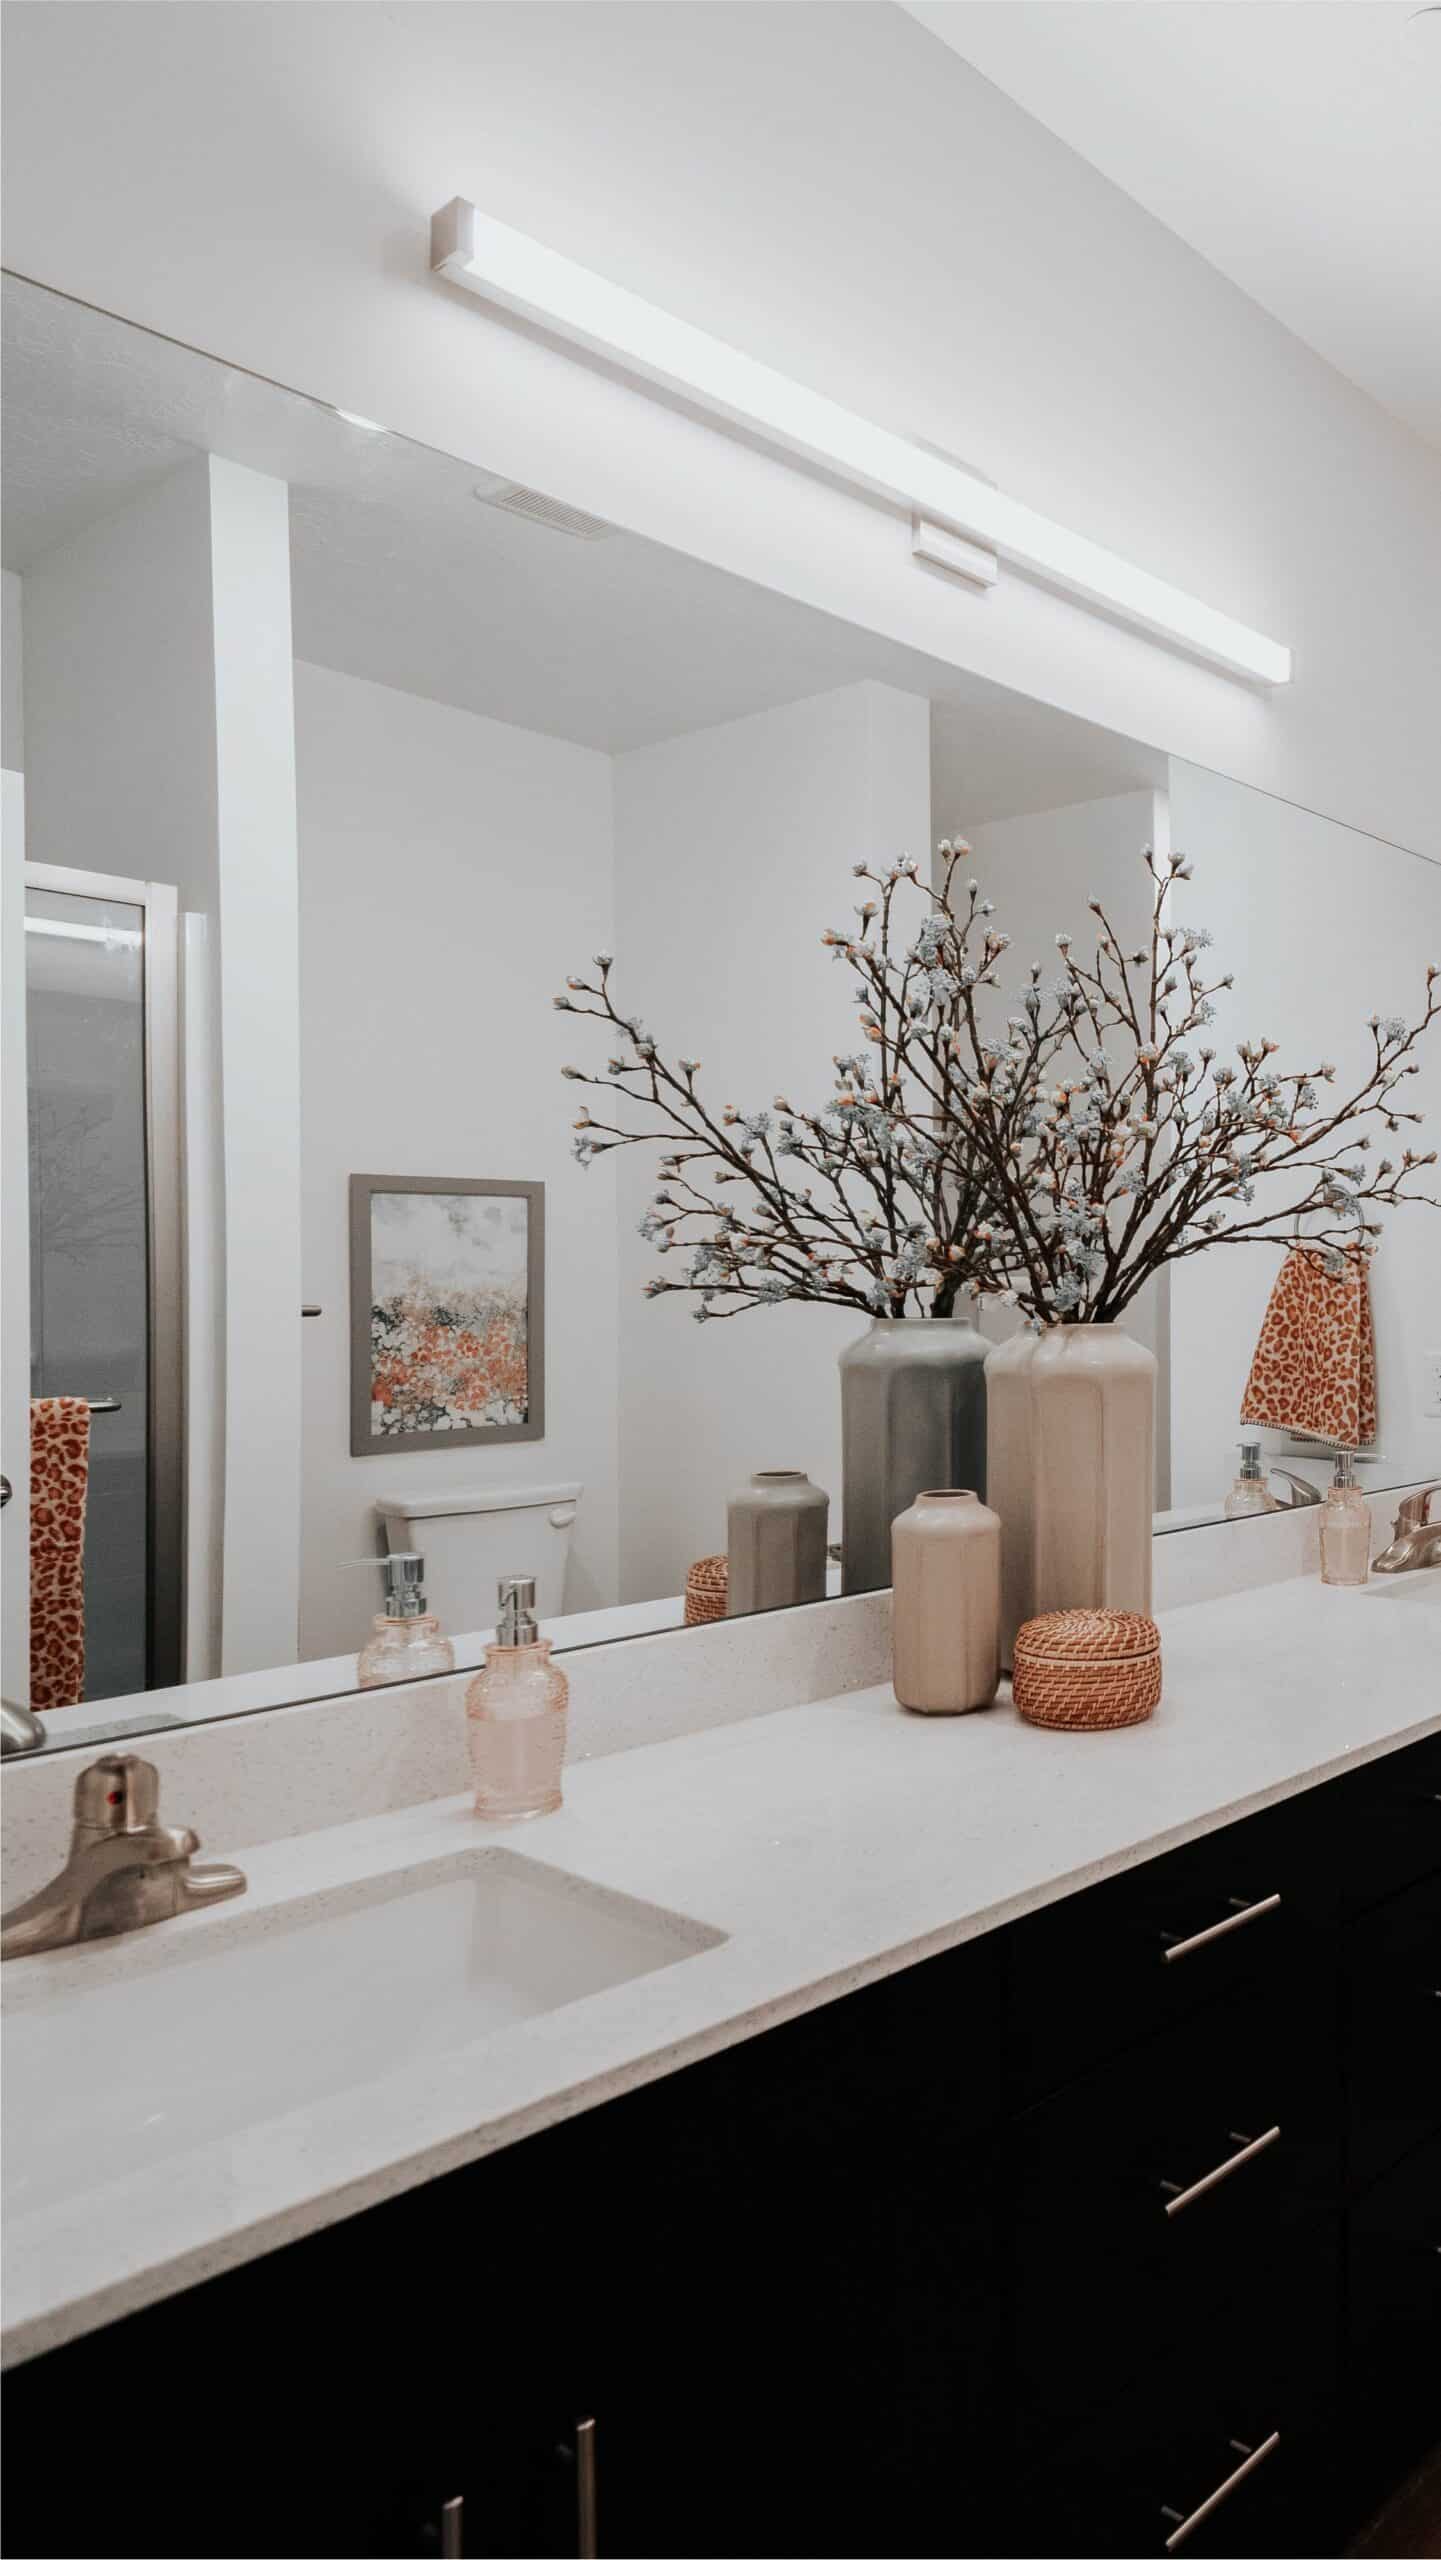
59, 1477
1314, 1369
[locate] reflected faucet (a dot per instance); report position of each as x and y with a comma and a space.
1302, 1489
20, 1729
126, 1868
1415, 1536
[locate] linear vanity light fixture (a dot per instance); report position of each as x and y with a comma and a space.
505, 267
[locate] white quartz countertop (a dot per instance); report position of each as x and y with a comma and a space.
827, 1844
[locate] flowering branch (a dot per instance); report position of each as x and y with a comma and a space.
871, 1200
1057, 1163
1139, 1153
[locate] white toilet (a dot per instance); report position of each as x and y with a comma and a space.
470, 1537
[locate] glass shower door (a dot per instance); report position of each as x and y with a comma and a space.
90, 970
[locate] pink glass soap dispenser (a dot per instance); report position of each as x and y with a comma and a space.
516, 1709
405, 1640
1345, 1529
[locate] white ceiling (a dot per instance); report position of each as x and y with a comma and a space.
1295, 143
400, 575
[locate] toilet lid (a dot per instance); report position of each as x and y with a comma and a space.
463, 1498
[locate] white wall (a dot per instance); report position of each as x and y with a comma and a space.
159, 746
1321, 928
120, 694
840, 194
12, 716
452, 870
1042, 869
14, 1248
734, 849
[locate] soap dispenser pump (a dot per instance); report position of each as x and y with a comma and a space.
1250, 1493
516, 1710
405, 1642
1345, 1527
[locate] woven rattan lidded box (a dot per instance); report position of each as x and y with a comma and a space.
707, 1582
1087, 1669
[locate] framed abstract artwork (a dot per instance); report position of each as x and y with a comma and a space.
447, 1312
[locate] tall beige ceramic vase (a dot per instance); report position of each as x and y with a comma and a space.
946, 1602
1071, 1429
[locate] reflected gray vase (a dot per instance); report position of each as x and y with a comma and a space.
913, 1419
775, 1542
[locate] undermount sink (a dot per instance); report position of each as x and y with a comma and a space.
123, 2053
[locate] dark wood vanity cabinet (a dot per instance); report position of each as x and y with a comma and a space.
1114, 2231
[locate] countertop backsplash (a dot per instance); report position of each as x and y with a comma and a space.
285, 1770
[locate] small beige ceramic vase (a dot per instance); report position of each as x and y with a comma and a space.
945, 1635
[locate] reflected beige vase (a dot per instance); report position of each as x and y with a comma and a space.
1071, 1427
945, 1624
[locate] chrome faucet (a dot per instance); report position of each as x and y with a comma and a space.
1303, 1492
126, 1868
1415, 1537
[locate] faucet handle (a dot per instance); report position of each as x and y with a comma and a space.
1415, 1509
119, 1793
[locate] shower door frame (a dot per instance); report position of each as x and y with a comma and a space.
164, 1211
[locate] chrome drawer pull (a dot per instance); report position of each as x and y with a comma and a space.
1186, 2525
587, 2538
1227, 2169
1220, 1929
452, 2529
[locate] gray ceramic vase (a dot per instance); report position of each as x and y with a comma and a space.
913, 1418
775, 1542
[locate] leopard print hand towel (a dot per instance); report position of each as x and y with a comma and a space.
59, 1478
1314, 1369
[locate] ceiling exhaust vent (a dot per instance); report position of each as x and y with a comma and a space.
516, 500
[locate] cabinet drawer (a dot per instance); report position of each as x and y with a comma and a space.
1245, 1907
1160, 2187
1393, 2348
1172, 2461
1393, 2030
1389, 1834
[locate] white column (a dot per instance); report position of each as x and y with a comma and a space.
260, 1062
14, 1253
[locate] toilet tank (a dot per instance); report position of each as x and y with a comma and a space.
470, 1537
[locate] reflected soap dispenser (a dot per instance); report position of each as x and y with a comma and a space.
406, 1642
1250, 1493
1345, 1527
516, 1709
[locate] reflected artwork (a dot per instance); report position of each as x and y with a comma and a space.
446, 1293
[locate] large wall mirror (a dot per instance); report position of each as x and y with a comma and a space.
329, 759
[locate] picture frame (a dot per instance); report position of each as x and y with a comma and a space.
447, 1312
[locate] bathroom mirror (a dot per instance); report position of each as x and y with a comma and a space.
327, 759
